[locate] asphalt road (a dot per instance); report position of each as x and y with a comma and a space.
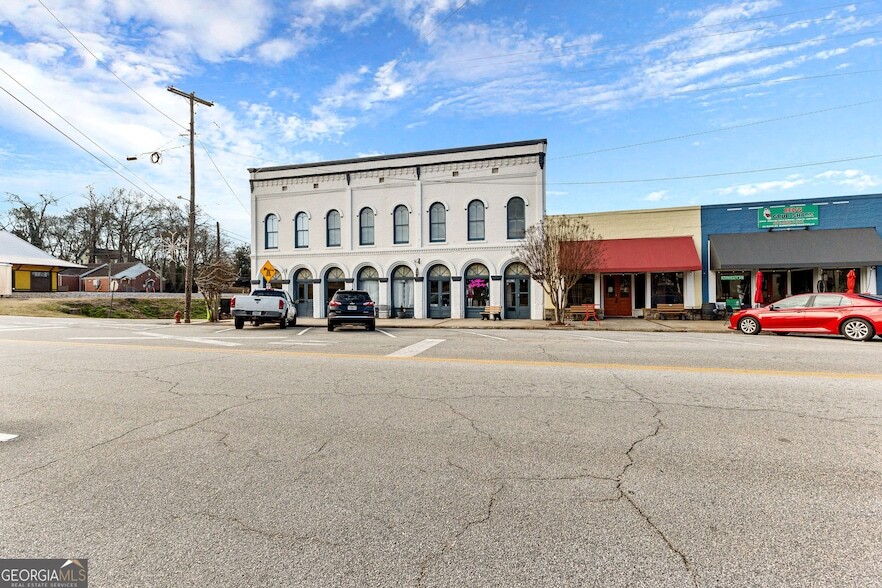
198, 455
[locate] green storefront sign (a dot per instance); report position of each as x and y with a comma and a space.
772, 217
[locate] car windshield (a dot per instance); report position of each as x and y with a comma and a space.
352, 297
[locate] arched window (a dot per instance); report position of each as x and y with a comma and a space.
366, 227
402, 224
301, 230
476, 220
271, 232
333, 232
369, 281
517, 223
437, 223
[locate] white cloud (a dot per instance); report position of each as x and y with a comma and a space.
760, 187
656, 196
852, 178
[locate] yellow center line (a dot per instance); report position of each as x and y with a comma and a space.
467, 360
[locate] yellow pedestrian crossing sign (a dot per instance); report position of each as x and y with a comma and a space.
268, 271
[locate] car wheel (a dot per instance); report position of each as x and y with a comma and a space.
372, 326
239, 322
330, 327
857, 330
749, 326
283, 324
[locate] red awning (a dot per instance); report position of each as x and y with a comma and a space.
653, 254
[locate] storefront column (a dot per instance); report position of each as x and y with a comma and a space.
456, 297
384, 295
496, 291
870, 286
689, 290
419, 297
647, 291
711, 286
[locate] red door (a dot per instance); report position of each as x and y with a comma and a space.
617, 295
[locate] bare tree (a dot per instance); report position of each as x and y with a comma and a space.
30, 221
213, 279
558, 251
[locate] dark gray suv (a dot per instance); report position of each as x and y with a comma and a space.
351, 307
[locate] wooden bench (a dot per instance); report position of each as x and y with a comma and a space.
665, 310
492, 311
588, 311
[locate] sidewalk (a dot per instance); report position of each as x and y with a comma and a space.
609, 324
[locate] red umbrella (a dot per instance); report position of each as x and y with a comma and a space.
758, 288
849, 281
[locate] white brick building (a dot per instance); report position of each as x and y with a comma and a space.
423, 232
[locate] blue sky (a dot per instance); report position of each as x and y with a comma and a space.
644, 104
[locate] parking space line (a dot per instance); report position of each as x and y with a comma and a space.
303, 331
600, 339
416, 348
8, 329
387, 334
483, 335
191, 339
224, 330
7, 437
739, 341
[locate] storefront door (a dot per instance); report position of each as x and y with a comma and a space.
439, 292
617, 295
517, 292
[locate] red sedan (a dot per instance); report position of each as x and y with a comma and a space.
856, 316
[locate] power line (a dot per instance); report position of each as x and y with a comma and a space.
722, 129
98, 159
235, 195
105, 66
719, 174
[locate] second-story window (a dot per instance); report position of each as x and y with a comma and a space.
366, 227
271, 232
476, 220
301, 230
402, 224
333, 229
517, 221
437, 223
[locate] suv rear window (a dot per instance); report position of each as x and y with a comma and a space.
350, 297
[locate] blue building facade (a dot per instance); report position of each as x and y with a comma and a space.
796, 246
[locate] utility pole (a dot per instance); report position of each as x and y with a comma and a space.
218, 241
191, 237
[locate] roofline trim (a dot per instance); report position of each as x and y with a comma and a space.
399, 156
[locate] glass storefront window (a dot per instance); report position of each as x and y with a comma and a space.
667, 288
733, 286
477, 285
836, 280
582, 292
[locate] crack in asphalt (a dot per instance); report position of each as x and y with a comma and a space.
85, 450
273, 535
628, 496
450, 542
473, 424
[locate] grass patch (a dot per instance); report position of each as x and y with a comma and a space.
123, 308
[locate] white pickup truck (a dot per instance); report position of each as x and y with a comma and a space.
264, 306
